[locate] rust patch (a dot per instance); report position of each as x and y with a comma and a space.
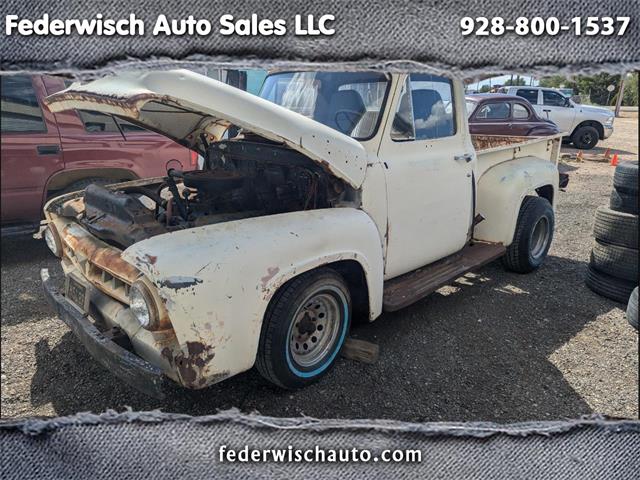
101, 258
192, 365
271, 272
485, 142
150, 259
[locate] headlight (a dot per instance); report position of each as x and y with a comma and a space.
147, 307
53, 240
609, 122
143, 305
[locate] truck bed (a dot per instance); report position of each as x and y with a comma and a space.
495, 149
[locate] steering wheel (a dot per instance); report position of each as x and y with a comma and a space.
350, 116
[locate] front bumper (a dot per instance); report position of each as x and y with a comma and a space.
129, 367
608, 131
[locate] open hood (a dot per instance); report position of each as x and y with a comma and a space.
183, 105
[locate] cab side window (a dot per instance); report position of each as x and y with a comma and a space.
494, 111
96, 122
21, 111
425, 110
553, 99
528, 93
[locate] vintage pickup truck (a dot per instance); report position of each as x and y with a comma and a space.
335, 196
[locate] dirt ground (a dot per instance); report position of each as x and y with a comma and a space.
493, 346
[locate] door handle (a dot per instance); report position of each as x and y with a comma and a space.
48, 149
467, 157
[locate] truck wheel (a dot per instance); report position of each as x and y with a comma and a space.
585, 138
624, 202
617, 228
620, 262
304, 329
85, 182
608, 286
632, 309
533, 235
625, 178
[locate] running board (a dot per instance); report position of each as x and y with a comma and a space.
406, 289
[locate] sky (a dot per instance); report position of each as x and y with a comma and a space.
498, 80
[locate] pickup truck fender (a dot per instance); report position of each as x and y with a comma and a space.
217, 280
501, 190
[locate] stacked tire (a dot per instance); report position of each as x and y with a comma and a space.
613, 268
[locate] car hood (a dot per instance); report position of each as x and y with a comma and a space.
184, 105
594, 110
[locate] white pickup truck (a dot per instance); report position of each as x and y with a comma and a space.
583, 125
335, 196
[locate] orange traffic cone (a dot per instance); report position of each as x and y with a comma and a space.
607, 154
614, 160
579, 156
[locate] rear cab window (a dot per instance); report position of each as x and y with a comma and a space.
520, 112
470, 107
425, 110
21, 111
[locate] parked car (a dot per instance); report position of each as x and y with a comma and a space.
45, 154
344, 195
583, 125
493, 114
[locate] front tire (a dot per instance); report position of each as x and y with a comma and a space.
304, 329
585, 138
533, 236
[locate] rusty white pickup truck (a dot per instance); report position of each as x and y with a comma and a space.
334, 196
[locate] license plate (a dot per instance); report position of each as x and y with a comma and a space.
77, 293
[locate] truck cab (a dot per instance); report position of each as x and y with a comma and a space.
332, 196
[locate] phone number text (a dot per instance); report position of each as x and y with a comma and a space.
590, 26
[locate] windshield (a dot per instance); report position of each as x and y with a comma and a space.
349, 102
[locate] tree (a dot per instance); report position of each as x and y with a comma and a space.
517, 82
592, 88
485, 88
630, 95
558, 81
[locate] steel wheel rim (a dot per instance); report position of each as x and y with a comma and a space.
314, 329
586, 138
540, 237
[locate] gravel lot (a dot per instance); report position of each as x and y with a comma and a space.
493, 346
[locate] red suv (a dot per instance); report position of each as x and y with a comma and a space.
46, 154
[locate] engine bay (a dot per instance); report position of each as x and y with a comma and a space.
240, 179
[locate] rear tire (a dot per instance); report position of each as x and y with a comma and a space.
533, 236
625, 178
304, 329
616, 228
624, 202
632, 309
608, 286
619, 262
585, 138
